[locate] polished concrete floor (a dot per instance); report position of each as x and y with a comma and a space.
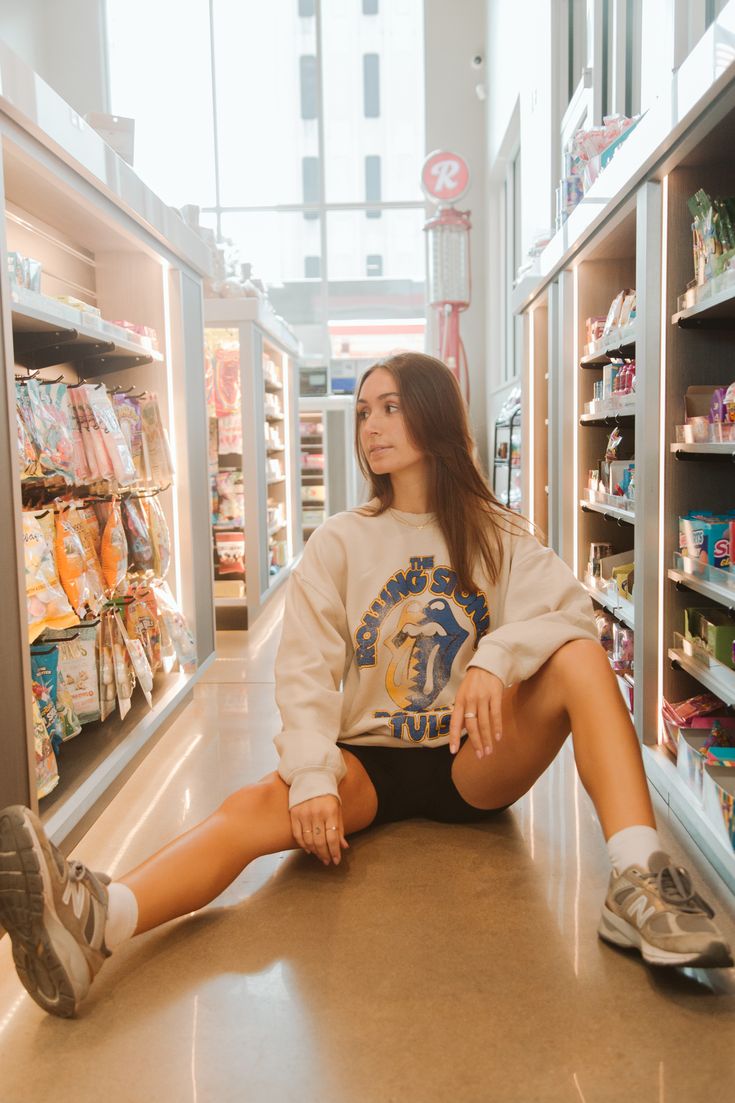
436, 964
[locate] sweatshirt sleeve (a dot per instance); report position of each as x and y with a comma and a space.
542, 607
309, 669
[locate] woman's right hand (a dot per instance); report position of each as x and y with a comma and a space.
318, 828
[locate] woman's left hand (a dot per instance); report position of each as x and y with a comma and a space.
479, 709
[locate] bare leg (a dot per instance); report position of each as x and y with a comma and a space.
197, 866
575, 690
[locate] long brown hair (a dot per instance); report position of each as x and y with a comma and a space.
470, 516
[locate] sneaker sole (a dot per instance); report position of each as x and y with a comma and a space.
618, 932
51, 966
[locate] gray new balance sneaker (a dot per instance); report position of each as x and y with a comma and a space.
657, 911
54, 912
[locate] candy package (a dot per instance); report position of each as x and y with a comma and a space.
52, 430
114, 552
122, 667
227, 393
159, 468
56, 398
231, 497
139, 659
229, 544
44, 677
98, 459
176, 626
160, 536
92, 525
142, 623
77, 561
127, 410
47, 770
48, 605
78, 674
27, 454
140, 547
46, 666
114, 441
107, 691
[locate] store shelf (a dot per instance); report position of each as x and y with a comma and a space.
613, 514
276, 481
714, 450
275, 449
717, 678
618, 346
47, 333
95, 758
274, 417
666, 779
623, 610
624, 417
721, 594
713, 312
273, 388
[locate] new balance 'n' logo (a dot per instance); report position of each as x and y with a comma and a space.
74, 894
638, 908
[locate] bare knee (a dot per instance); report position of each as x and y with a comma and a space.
574, 660
270, 794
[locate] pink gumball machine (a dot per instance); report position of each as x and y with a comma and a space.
445, 179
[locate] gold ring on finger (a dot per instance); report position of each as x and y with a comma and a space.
331, 829
317, 830
470, 716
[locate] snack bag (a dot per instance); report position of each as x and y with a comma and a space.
27, 454
122, 667
160, 536
92, 525
107, 692
81, 584
48, 605
140, 548
47, 666
127, 411
47, 770
139, 659
158, 464
78, 674
44, 675
56, 450
99, 462
114, 441
176, 626
142, 623
114, 549
75, 519
56, 396
230, 548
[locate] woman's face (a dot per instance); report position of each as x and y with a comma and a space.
383, 431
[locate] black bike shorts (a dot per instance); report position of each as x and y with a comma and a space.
416, 783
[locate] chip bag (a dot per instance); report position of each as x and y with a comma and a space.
47, 770
44, 680
78, 674
56, 453
48, 605
114, 549
158, 464
114, 441
140, 547
142, 623
79, 567
160, 537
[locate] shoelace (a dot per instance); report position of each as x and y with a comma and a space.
675, 887
79, 872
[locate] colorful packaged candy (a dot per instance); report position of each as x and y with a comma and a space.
176, 626
139, 659
98, 459
47, 770
44, 675
56, 452
114, 551
92, 525
230, 548
160, 536
159, 468
80, 577
56, 396
142, 623
231, 497
706, 537
27, 454
107, 690
227, 394
127, 410
48, 605
117, 449
122, 667
78, 673
140, 547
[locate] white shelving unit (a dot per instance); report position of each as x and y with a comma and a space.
639, 235
329, 475
267, 353
101, 236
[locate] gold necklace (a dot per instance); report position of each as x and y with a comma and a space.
410, 524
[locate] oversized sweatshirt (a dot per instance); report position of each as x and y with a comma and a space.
378, 635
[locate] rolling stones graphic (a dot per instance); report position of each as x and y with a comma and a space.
418, 619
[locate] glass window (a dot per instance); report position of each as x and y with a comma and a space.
311, 189
312, 268
274, 242
374, 266
372, 183
309, 96
371, 85
179, 103
397, 237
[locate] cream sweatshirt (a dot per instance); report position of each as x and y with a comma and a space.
377, 637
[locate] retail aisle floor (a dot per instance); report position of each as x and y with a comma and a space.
438, 963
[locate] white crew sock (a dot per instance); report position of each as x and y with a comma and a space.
122, 915
633, 846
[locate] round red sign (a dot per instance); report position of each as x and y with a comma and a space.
445, 177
